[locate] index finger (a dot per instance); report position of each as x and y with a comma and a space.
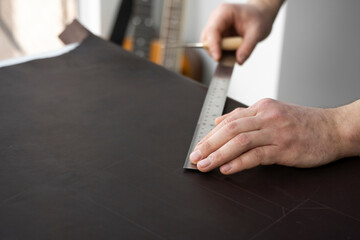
235, 114
238, 113
217, 26
212, 38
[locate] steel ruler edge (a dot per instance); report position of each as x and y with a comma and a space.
214, 102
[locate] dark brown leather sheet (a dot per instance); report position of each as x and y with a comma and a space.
92, 145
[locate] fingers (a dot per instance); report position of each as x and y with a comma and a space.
234, 148
255, 157
235, 114
213, 40
226, 133
221, 118
218, 24
232, 19
247, 46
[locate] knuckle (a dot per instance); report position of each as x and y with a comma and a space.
231, 126
265, 102
217, 156
226, 121
212, 31
242, 140
206, 146
271, 111
259, 155
269, 157
240, 165
223, 11
275, 115
224, 7
238, 110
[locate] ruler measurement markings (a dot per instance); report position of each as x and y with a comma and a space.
212, 108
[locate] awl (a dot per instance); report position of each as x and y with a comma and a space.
227, 44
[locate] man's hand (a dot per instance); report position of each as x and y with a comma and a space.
251, 21
272, 132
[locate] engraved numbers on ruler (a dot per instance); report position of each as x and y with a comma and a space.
213, 107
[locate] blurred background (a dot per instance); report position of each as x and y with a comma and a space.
311, 57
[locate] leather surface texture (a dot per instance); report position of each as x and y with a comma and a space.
92, 146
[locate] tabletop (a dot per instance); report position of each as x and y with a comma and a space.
92, 146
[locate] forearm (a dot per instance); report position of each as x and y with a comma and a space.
347, 124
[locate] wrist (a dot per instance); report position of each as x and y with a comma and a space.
347, 127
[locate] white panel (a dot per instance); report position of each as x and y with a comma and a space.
49, 54
109, 11
259, 77
89, 12
320, 63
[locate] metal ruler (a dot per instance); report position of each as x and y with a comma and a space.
214, 102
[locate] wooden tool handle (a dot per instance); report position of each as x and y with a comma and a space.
229, 43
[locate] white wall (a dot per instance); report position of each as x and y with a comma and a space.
29, 27
321, 55
109, 9
89, 14
259, 77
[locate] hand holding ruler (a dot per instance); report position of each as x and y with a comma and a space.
215, 99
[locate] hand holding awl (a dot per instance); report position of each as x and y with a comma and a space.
227, 44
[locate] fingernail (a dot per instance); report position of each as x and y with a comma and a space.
242, 59
195, 156
226, 168
215, 55
204, 163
